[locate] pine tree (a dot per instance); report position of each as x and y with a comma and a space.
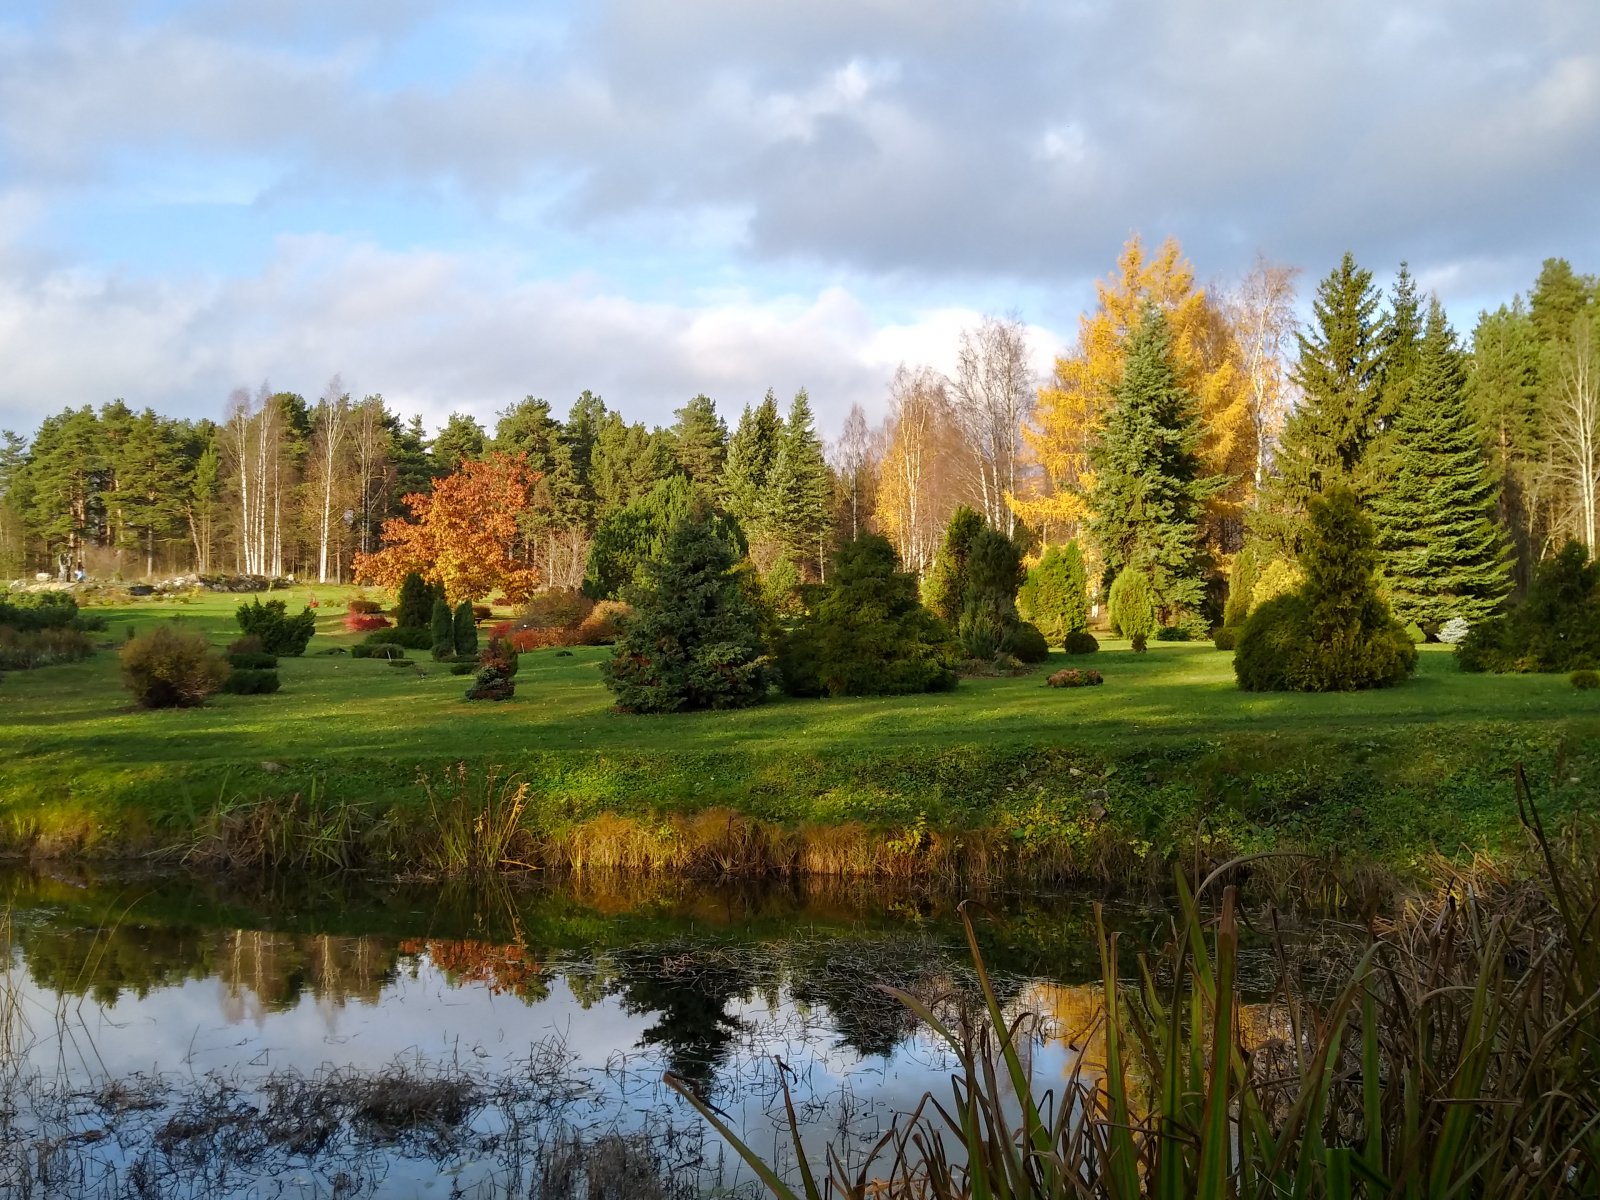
695, 639
751, 452
700, 440
66, 477
460, 439
413, 469
1148, 493
1442, 553
1325, 440
800, 489
527, 428
150, 485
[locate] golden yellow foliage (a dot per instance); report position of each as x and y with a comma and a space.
1075, 401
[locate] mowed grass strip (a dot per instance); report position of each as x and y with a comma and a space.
70, 740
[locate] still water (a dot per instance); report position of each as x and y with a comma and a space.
165, 1035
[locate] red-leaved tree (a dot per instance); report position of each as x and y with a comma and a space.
464, 535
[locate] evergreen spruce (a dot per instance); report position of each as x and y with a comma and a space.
460, 439
1402, 350
464, 631
868, 636
989, 620
444, 631
1339, 374
1149, 493
800, 489
1503, 395
700, 441
415, 609
1442, 553
694, 640
751, 453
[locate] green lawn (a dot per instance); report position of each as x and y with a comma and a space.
70, 742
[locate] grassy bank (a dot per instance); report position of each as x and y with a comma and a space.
1096, 782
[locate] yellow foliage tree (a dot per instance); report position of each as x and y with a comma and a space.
1071, 407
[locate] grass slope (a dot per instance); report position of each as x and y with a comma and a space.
1167, 747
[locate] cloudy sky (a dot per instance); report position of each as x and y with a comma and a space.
460, 203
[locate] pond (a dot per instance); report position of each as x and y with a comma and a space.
166, 1035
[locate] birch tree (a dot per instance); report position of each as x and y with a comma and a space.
332, 423
1263, 316
1574, 424
916, 437
992, 395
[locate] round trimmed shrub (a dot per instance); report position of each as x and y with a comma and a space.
1027, 643
280, 633
1132, 604
253, 662
1226, 637
172, 668
1173, 633
1585, 680
1081, 641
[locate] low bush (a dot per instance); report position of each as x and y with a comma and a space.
1081, 641
1454, 631
28, 611
556, 608
500, 654
1226, 637
1173, 633
26, 649
1415, 634
248, 644
1139, 643
259, 661
247, 682
364, 607
172, 668
400, 635
491, 683
1071, 677
463, 668
356, 622
379, 650
603, 625
402, 662
1027, 643
1585, 680
280, 633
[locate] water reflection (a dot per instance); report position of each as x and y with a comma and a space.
548, 1008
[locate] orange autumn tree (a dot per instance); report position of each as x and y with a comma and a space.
1074, 402
464, 534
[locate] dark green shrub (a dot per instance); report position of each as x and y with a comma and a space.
481, 612
253, 662
402, 662
1081, 642
1071, 677
989, 609
1334, 634
363, 607
171, 668
1055, 595
694, 640
1139, 643
464, 634
867, 635
29, 611
280, 633
1557, 628
1027, 643
1225, 638
1174, 633
1585, 680
379, 650
1132, 604
245, 644
463, 668
245, 681
408, 636
1242, 578
415, 608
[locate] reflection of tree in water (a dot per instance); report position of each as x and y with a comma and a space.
105, 963
688, 993
501, 968
266, 972
848, 983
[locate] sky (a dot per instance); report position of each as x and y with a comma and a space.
457, 204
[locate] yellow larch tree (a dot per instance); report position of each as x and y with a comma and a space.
1072, 405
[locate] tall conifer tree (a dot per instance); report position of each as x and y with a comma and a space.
800, 488
1442, 553
1149, 492
1325, 439
751, 452
1503, 396
700, 440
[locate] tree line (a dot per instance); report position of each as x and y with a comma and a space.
1181, 436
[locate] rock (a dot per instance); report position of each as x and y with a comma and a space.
1099, 794
272, 768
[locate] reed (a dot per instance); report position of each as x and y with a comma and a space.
1458, 1057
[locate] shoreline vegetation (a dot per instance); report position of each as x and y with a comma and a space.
356, 766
